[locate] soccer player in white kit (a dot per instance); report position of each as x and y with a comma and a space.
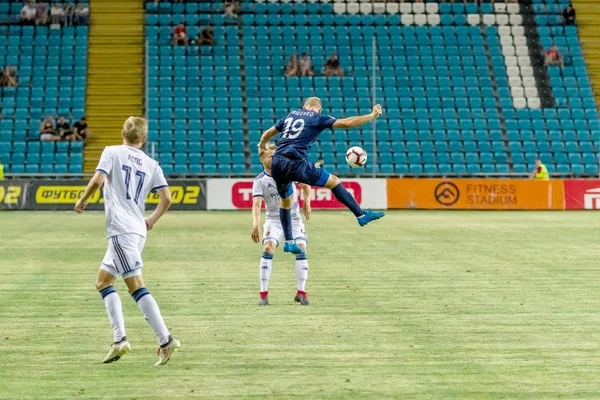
264, 188
129, 175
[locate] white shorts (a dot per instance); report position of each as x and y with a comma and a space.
124, 255
273, 231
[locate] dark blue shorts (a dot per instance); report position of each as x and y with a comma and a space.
285, 171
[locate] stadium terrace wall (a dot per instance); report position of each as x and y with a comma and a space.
59, 195
236, 194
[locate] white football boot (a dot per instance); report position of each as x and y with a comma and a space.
117, 350
165, 353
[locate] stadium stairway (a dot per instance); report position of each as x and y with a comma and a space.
115, 72
589, 32
247, 147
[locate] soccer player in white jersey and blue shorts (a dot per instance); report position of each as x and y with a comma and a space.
129, 175
265, 189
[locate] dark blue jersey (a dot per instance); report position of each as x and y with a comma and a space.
299, 130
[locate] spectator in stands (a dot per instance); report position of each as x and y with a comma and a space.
48, 131
69, 12
180, 36
28, 13
41, 17
207, 37
229, 8
541, 172
57, 15
81, 130
10, 77
553, 57
1, 171
569, 15
82, 14
291, 68
333, 67
64, 130
306, 67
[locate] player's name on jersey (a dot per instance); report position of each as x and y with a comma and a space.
303, 113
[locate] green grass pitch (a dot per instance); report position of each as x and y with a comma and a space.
418, 305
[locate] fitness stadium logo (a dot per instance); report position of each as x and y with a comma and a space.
446, 193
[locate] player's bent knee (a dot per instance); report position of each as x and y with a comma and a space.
104, 279
332, 182
134, 283
302, 244
269, 247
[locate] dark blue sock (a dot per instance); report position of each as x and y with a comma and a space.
344, 197
285, 215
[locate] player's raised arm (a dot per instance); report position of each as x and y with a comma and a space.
353, 122
164, 195
95, 183
266, 136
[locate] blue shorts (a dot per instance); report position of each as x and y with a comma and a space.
285, 171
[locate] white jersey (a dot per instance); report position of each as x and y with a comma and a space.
265, 187
131, 175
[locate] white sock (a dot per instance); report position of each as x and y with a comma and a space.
301, 271
266, 266
112, 301
151, 312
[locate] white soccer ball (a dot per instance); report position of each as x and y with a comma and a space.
356, 157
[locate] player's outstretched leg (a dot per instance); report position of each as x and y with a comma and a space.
149, 308
301, 277
112, 301
343, 196
285, 215
266, 265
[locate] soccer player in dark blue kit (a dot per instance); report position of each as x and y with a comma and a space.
300, 129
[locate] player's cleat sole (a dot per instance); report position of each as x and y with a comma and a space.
165, 353
369, 217
301, 298
117, 350
292, 248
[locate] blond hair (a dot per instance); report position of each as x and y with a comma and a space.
270, 147
312, 102
135, 130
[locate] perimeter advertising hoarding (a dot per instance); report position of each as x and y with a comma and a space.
63, 194
475, 194
236, 194
582, 194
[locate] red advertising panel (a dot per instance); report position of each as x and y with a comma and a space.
236, 194
241, 196
582, 194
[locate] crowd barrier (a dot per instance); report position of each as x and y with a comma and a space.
396, 193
